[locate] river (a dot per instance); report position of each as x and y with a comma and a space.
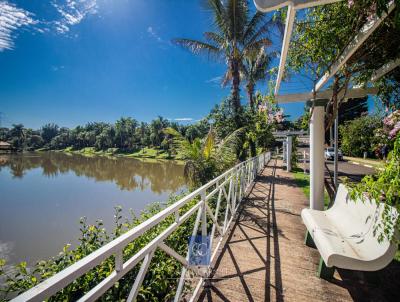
44, 194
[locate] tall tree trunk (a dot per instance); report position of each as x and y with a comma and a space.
235, 91
250, 94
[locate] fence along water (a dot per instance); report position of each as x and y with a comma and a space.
229, 188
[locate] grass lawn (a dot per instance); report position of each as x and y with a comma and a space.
303, 181
143, 153
375, 163
150, 153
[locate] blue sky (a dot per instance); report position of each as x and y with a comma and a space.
72, 62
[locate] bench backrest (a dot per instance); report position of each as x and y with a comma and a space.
356, 221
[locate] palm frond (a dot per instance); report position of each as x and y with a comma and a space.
209, 145
259, 34
229, 148
216, 39
226, 78
198, 47
221, 20
237, 12
264, 42
186, 149
253, 25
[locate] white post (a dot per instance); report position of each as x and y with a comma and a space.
289, 154
284, 152
335, 177
317, 158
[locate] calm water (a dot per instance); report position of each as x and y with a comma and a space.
43, 195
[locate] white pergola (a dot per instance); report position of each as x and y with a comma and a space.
317, 133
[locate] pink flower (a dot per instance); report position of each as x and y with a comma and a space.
395, 130
279, 116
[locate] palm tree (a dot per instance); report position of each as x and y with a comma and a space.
205, 159
254, 69
235, 35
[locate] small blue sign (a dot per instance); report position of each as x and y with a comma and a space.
199, 250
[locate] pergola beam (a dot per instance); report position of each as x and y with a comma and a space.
293, 5
291, 14
354, 45
266, 6
326, 94
386, 68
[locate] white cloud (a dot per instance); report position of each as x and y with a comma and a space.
73, 12
11, 19
57, 68
153, 34
183, 119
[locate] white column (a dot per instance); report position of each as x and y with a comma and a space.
335, 173
284, 152
289, 154
317, 139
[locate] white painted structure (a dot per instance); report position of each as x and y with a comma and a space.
317, 132
229, 189
344, 234
287, 145
317, 138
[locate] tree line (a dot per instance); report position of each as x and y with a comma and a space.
126, 134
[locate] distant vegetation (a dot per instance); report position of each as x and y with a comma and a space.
126, 135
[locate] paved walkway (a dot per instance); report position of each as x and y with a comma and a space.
265, 258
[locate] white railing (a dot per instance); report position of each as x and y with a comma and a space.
238, 180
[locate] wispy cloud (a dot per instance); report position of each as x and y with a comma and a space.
57, 68
153, 34
183, 119
73, 12
11, 19
215, 80
163, 44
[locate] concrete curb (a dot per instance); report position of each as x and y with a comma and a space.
365, 165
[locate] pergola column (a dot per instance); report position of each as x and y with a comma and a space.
317, 140
289, 153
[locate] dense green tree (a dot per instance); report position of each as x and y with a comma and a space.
17, 136
358, 135
323, 33
49, 131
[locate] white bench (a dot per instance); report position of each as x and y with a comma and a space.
344, 235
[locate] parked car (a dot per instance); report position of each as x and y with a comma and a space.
330, 154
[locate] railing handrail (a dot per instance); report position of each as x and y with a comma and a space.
60, 280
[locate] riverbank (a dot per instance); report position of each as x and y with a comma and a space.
146, 153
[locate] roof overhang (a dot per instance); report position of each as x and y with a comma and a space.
326, 94
270, 5
356, 42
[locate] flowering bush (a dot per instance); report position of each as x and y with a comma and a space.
392, 124
384, 187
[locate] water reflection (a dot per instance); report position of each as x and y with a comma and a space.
43, 196
127, 173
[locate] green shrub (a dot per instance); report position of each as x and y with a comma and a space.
358, 135
161, 279
383, 187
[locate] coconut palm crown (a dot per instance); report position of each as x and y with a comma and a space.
235, 35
